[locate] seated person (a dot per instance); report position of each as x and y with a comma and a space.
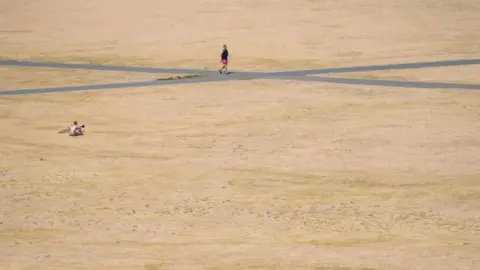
76, 130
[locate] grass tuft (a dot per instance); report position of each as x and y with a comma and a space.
180, 77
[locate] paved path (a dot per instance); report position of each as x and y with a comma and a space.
214, 76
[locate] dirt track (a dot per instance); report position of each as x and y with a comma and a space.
246, 174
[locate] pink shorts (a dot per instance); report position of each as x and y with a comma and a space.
225, 62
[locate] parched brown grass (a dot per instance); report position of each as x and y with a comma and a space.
22, 77
268, 35
461, 74
257, 174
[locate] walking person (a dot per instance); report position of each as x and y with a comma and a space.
224, 60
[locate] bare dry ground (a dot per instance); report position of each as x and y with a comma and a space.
244, 174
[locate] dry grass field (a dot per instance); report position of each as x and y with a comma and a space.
30, 77
255, 174
462, 74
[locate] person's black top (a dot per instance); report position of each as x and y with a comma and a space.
225, 55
